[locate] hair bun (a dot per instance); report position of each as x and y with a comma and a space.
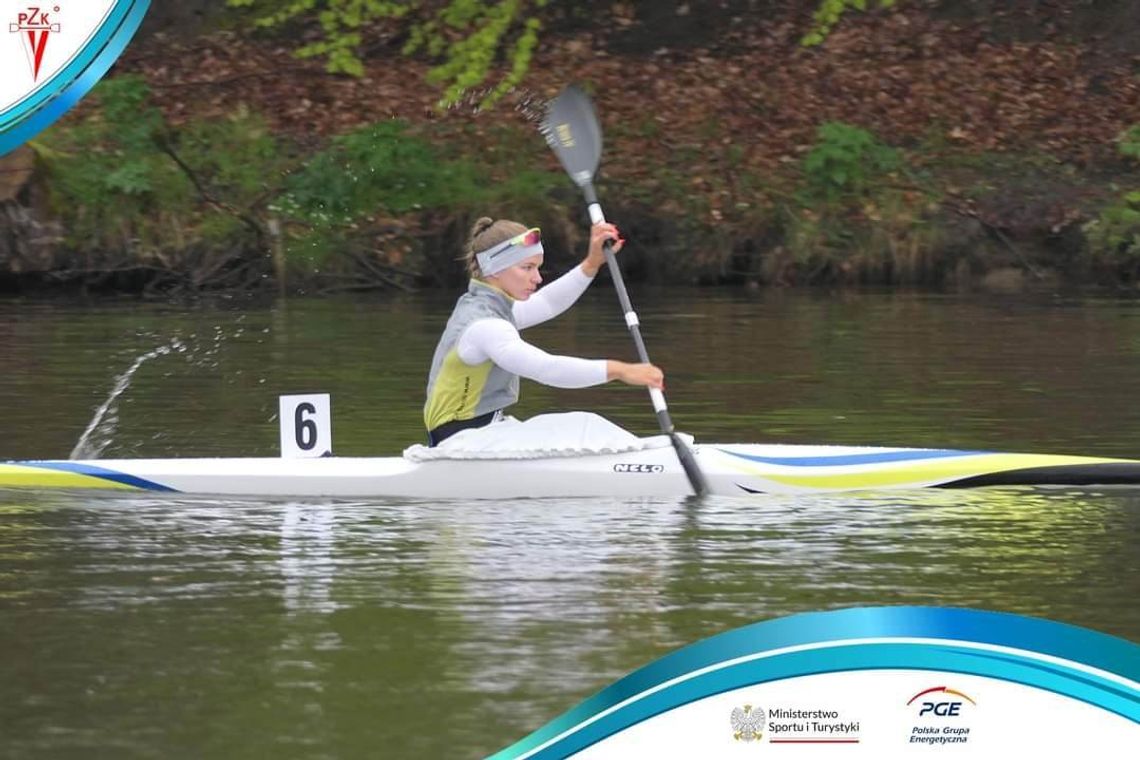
482, 224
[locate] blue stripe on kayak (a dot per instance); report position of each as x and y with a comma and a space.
839, 460
101, 472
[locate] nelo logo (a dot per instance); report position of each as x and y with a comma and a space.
35, 25
639, 468
941, 702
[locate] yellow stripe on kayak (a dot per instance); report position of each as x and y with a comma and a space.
24, 476
923, 472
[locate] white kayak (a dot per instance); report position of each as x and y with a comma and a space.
731, 469
573, 454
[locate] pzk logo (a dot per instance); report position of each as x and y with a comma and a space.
35, 25
940, 706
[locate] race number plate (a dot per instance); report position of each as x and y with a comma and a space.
306, 425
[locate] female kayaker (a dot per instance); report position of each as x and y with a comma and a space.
480, 357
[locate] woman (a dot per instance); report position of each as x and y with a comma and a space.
476, 368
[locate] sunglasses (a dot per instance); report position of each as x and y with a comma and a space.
533, 236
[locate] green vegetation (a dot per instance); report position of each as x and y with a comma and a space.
115, 186
852, 217
340, 22
845, 161
1114, 236
1129, 142
828, 15
468, 39
223, 203
211, 202
377, 170
104, 170
465, 36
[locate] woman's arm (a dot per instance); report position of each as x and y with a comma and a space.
551, 300
498, 341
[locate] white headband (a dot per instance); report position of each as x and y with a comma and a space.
504, 256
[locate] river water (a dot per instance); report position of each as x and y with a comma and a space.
143, 626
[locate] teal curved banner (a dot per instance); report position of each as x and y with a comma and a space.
67, 48
1080, 668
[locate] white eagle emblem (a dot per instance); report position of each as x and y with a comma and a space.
747, 723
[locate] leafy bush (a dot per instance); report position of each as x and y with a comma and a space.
855, 221
844, 161
1128, 143
116, 189
377, 170
123, 181
1115, 233
379, 167
105, 171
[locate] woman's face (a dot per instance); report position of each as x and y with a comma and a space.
521, 280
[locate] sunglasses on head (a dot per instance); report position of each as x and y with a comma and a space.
533, 236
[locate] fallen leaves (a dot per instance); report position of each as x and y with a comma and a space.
746, 106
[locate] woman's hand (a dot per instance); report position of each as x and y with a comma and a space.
635, 374
599, 234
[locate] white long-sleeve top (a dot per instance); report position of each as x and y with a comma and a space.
499, 341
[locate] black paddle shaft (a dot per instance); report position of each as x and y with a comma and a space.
572, 131
684, 455
688, 462
623, 298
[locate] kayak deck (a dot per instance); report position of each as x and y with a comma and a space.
731, 469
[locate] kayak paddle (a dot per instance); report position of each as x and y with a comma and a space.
571, 129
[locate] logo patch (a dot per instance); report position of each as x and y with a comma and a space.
649, 468
940, 715
54, 54
747, 723
35, 26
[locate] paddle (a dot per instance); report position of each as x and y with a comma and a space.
571, 128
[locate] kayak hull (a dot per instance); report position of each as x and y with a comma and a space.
731, 469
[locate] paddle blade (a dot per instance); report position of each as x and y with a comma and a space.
571, 129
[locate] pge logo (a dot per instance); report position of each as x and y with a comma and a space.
941, 702
35, 25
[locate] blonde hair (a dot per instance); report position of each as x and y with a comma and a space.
485, 233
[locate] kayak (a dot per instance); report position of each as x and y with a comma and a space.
731, 470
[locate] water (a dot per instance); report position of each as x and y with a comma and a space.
138, 626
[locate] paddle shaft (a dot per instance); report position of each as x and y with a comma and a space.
688, 463
572, 131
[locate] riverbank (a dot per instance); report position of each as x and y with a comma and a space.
911, 150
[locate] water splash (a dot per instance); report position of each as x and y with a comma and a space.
532, 106
103, 425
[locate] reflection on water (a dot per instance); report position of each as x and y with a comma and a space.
306, 562
200, 626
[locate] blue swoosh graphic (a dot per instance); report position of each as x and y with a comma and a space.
738, 658
102, 473
837, 460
